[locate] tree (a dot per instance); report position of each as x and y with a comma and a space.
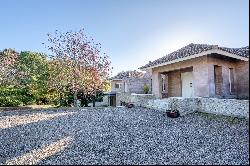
33, 67
106, 86
8, 60
23, 77
60, 75
77, 62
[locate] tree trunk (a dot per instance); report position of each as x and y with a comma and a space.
60, 100
85, 101
94, 99
75, 99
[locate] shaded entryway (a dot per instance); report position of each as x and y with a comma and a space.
111, 98
177, 83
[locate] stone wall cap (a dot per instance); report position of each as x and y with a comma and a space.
137, 94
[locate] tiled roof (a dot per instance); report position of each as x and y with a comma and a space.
128, 74
192, 49
243, 51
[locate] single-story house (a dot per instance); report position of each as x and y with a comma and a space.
201, 70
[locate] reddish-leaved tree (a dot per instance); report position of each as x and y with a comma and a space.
77, 62
8, 60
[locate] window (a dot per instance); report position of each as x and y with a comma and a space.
231, 80
163, 84
117, 85
125, 87
151, 83
218, 80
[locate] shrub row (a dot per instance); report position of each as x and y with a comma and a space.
11, 96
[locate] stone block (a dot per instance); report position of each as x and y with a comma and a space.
184, 105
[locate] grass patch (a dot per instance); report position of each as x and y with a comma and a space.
229, 119
40, 106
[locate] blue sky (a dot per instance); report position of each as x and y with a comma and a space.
132, 32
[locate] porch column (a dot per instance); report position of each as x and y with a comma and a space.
225, 83
156, 84
211, 81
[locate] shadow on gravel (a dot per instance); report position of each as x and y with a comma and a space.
36, 155
27, 143
34, 111
20, 140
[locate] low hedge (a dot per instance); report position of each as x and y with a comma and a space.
12, 97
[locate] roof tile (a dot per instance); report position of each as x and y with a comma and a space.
192, 49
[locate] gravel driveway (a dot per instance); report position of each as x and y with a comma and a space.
120, 136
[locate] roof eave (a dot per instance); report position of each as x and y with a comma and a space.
216, 50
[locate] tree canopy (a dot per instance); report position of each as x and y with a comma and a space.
77, 63
76, 69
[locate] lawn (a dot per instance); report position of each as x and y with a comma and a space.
120, 136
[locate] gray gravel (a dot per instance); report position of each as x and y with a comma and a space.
120, 136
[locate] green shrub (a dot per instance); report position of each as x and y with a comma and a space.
52, 97
146, 89
68, 100
99, 96
12, 97
8, 101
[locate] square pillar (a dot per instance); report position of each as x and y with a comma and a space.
211, 81
225, 85
156, 84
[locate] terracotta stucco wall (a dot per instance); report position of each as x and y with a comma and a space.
242, 77
200, 76
203, 75
225, 64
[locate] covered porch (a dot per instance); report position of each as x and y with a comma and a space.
177, 83
207, 76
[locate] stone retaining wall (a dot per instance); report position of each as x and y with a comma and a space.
228, 107
122, 97
136, 99
184, 105
158, 104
